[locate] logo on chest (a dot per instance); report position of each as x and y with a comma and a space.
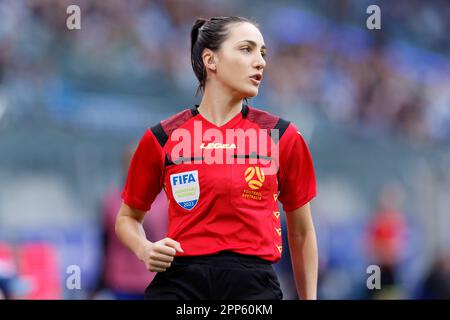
185, 188
255, 177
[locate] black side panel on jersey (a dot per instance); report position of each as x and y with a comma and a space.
160, 135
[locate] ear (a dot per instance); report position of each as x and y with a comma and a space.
209, 60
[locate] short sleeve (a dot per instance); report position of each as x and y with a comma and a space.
296, 176
144, 179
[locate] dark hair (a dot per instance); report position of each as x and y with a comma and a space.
209, 34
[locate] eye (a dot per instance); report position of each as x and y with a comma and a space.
246, 49
263, 54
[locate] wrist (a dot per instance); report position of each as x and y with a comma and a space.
143, 247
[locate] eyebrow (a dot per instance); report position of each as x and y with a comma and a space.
253, 43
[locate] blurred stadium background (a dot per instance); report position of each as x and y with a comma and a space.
374, 106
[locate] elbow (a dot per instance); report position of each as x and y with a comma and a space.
301, 234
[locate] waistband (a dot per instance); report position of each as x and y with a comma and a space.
227, 257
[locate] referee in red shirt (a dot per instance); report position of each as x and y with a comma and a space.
224, 166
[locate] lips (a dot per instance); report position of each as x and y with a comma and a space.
256, 78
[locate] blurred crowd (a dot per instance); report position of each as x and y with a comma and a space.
389, 83
370, 78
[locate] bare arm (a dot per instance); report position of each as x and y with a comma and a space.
157, 256
303, 249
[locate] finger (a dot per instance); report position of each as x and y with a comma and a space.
164, 250
160, 264
161, 257
174, 244
152, 268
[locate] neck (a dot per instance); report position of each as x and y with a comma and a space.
219, 106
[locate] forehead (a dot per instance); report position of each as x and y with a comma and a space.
244, 31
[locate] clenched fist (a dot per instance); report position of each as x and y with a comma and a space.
159, 255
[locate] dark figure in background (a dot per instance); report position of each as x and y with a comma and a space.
437, 280
123, 277
386, 237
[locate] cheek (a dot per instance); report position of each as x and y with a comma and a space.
234, 69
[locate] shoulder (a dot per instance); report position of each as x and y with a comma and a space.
164, 129
267, 120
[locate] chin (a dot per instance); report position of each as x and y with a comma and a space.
245, 91
250, 93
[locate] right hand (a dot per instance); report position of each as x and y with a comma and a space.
158, 256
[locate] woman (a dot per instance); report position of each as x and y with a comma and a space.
223, 182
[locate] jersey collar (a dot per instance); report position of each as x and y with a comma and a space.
244, 110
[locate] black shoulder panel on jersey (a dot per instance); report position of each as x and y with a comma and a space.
160, 135
282, 125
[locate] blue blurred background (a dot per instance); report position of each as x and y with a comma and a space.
374, 106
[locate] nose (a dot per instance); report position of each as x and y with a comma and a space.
260, 63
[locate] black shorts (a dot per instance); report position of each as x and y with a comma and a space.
223, 276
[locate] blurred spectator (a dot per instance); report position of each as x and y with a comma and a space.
124, 277
386, 239
7, 270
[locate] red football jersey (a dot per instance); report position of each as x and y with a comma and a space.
224, 182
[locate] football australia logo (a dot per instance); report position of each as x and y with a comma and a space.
254, 176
